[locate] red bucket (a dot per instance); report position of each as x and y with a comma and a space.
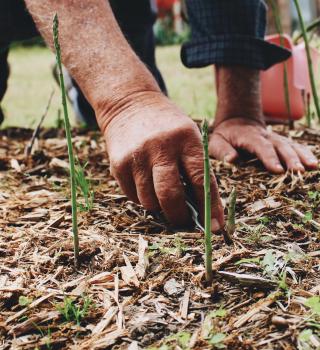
272, 81
165, 5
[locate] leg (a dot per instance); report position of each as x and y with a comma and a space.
4, 75
15, 24
136, 20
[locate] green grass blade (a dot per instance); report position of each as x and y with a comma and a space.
69, 142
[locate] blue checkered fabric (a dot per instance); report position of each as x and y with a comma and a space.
229, 32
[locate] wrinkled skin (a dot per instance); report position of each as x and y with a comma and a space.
149, 146
150, 141
239, 124
276, 152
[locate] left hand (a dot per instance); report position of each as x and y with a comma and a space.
275, 151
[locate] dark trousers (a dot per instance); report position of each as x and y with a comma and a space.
136, 19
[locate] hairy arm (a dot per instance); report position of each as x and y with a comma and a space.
95, 52
150, 142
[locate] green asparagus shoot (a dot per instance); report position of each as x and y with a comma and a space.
69, 142
308, 51
207, 204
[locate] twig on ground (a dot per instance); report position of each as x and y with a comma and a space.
35, 134
231, 220
302, 216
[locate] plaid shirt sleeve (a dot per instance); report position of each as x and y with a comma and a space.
229, 32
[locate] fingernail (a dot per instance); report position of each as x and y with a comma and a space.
299, 166
215, 225
279, 167
228, 158
312, 161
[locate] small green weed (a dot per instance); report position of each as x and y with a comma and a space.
264, 220
73, 312
217, 341
314, 304
180, 340
255, 233
84, 187
305, 340
178, 247
209, 329
307, 217
314, 197
46, 335
24, 301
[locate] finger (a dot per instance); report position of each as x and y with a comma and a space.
145, 190
193, 168
124, 177
222, 150
307, 158
170, 193
288, 155
265, 151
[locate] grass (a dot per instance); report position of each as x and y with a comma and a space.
73, 312
84, 187
31, 83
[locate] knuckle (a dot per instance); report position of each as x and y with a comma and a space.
171, 196
197, 177
149, 205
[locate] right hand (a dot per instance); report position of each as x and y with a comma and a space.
150, 144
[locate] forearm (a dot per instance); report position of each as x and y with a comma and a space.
239, 94
95, 52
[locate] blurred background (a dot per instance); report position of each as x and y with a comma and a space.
31, 80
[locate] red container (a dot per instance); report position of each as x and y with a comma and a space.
165, 5
272, 81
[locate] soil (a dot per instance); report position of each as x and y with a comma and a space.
140, 283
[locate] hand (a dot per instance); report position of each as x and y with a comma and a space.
252, 136
150, 144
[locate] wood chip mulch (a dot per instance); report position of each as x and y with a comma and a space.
141, 284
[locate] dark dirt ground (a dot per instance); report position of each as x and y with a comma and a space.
140, 284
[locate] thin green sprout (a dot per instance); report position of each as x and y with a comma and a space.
69, 142
207, 204
308, 51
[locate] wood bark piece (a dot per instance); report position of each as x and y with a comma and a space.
256, 308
